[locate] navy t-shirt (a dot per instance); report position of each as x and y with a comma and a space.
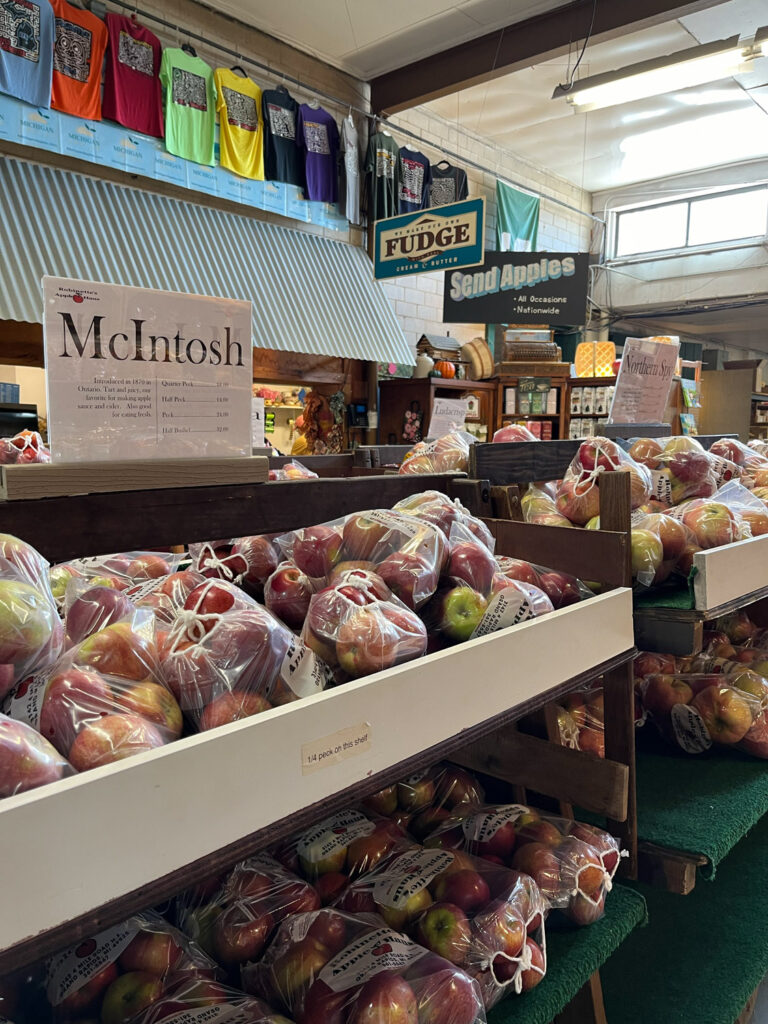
415, 177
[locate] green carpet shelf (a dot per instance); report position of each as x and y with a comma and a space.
574, 954
700, 958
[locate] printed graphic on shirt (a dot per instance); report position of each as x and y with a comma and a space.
385, 163
189, 89
412, 185
241, 110
282, 122
20, 28
442, 191
316, 137
136, 54
72, 50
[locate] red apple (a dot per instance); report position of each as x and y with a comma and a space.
362, 586
357, 901
580, 867
416, 792
210, 600
293, 971
712, 523
329, 887
111, 739
500, 929
577, 500
316, 550
517, 569
365, 538
474, 564
726, 713
232, 707
599, 452
542, 864
330, 929
84, 997
287, 594
128, 995
365, 852
383, 802
646, 451
537, 831
427, 822
456, 786
583, 911
27, 760
500, 844
385, 999
153, 952
445, 930
377, 636
531, 977
447, 998
324, 1006
465, 889
259, 557
94, 609
662, 691
591, 741
240, 933
561, 589
409, 576
297, 897
755, 741
148, 567
72, 698
647, 664
117, 650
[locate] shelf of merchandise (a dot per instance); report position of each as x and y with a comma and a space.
90, 850
583, 382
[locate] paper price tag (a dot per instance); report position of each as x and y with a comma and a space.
447, 414
689, 728
335, 748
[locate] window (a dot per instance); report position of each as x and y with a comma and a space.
687, 223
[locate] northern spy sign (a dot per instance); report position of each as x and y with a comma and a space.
133, 373
520, 288
644, 379
433, 239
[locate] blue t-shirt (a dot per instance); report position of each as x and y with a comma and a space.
26, 50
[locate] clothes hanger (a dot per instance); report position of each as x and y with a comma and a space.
240, 68
312, 102
189, 48
442, 163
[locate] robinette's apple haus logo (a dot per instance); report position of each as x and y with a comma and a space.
428, 236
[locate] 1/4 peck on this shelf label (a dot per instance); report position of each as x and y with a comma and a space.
334, 748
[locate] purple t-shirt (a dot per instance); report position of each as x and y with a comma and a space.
321, 147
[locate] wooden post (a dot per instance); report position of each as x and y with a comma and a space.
619, 696
587, 1006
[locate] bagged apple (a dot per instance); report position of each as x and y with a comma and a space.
31, 633
659, 544
287, 594
235, 921
513, 432
293, 470
578, 492
226, 657
123, 970
750, 508
468, 911
89, 607
711, 522
448, 454
538, 507
25, 447
726, 706
329, 967
165, 596
681, 468
27, 759
560, 587
121, 570
580, 720
571, 862
441, 511
354, 627
103, 700
752, 463
424, 799
187, 1000
338, 848
246, 561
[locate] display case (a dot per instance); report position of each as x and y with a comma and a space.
416, 396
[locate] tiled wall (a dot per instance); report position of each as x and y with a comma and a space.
418, 300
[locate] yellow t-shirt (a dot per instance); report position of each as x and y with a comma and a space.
241, 128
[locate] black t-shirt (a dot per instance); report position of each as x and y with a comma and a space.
448, 185
414, 181
283, 152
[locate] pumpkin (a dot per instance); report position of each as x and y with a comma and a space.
446, 369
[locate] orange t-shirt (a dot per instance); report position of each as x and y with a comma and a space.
78, 56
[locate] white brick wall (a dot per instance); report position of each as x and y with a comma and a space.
559, 228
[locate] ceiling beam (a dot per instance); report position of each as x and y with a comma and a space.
518, 45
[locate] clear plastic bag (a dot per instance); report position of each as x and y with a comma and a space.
31, 633
448, 454
24, 447
441, 511
727, 706
127, 966
27, 759
473, 913
681, 468
287, 594
420, 802
658, 544
246, 561
539, 507
581, 721
121, 570
561, 588
746, 504
513, 432
293, 470
186, 999
578, 492
165, 596
226, 657
329, 967
712, 523
234, 923
103, 700
571, 862
89, 608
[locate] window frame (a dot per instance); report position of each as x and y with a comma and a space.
688, 201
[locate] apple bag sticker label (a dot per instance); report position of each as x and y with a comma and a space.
479, 828
690, 731
332, 835
397, 521
67, 972
661, 485
382, 950
408, 875
724, 470
303, 672
509, 607
24, 704
221, 1013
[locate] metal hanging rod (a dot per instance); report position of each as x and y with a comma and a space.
285, 77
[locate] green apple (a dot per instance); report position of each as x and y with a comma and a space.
461, 610
128, 995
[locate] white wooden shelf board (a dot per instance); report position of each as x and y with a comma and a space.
78, 843
725, 574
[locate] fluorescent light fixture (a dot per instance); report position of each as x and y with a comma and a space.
695, 66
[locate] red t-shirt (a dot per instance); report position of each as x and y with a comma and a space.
132, 93
78, 54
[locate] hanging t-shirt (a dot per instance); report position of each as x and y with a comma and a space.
132, 93
190, 106
283, 156
414, 180
321, 149
241, 140
349, 200
382, 167
448, 185
26, 50
78, 56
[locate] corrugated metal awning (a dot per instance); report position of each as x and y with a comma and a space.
309, 294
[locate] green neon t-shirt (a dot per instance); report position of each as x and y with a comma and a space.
190, 106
